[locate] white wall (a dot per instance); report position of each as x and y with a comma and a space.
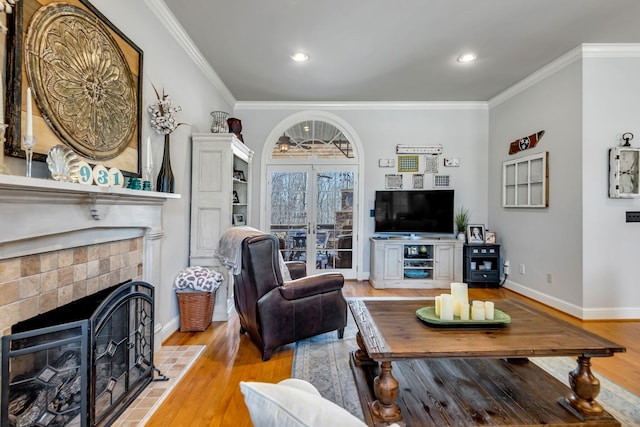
611, 108
167, 66
544, 240
581, 239
461, 129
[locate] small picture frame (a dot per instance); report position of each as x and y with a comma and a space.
475, 233
239, 175
418, 181
490, 237
236, 199
393, 181
239, 219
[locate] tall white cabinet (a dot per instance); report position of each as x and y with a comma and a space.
220, 192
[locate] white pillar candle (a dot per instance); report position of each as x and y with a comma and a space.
477, 313
29, 127
477, 303
446, 307
460, 295
464, 311
489, 310
438, 306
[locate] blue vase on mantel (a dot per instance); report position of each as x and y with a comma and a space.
165, 182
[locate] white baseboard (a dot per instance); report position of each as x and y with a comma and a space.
596, 313
165, 330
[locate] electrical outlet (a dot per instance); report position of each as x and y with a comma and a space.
549, 278
522, 271
505, 267
633, 216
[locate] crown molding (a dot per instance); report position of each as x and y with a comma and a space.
166, 17
587, 50
360, 105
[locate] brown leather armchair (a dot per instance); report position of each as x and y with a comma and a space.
274, 312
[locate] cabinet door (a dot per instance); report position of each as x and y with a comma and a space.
210, 204
393, 255
443, 269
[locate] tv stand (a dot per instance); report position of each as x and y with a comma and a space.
415, 263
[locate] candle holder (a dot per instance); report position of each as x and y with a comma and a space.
29, 141
148, 170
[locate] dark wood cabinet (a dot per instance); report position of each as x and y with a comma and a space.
481, 265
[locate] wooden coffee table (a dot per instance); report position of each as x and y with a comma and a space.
444, 376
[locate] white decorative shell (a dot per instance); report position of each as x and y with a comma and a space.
64, 164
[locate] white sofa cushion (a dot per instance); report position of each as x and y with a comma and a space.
293, 403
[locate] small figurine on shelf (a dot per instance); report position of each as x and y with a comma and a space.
235, 127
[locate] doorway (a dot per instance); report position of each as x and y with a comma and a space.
311, 203
312, 211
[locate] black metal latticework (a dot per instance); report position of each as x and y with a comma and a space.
81, 364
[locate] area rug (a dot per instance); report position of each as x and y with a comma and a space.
324, 361
173, 362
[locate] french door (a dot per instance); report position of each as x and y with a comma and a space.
312, 209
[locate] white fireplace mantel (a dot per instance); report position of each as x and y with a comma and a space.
41, 215
33, 208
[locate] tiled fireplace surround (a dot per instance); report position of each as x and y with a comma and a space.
62, 241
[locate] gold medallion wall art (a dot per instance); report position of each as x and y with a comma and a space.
85, 76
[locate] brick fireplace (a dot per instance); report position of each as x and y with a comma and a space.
62, 241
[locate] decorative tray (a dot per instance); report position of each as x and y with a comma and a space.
416, 274
428, 315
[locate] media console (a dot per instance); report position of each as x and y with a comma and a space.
415, 263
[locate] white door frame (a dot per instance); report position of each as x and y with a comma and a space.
358, 161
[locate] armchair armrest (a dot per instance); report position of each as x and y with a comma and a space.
312, 285
297, 269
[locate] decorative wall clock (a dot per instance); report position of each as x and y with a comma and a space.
624, 172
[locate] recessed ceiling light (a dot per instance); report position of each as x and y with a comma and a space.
467, 57
300, 56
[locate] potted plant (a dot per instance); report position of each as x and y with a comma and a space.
462, 220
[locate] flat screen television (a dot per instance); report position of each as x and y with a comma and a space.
428, 212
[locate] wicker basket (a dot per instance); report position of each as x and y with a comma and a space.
196, 310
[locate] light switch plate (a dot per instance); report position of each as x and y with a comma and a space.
452, 162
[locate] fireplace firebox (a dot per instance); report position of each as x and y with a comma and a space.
81, 364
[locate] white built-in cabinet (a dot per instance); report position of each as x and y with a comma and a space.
221, 165
415, 263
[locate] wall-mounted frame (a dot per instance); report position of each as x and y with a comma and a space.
624, 172
431, 164
525, 182
418, 181
408, 163
100, 125
393, 181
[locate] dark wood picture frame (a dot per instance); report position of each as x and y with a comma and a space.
129, 162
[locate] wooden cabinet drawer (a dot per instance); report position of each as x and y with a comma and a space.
485, 276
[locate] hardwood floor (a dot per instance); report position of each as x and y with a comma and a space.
209, 394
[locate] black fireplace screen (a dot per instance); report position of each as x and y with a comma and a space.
81, 364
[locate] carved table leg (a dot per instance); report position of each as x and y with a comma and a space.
585, 388
385, 387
